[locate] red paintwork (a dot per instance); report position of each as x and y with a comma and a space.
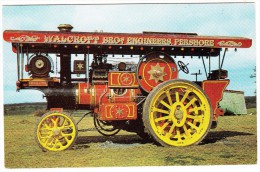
105, 100
84, 93
151, 60
219, 112
56, 109
94, 38
38, 83
214, 89
99, 94
118, 111
122, 79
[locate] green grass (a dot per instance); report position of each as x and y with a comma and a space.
251, 111
233, 142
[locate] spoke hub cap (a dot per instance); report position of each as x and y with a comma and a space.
56, 132
178, 114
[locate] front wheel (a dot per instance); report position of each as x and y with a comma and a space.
177, 113
56, 131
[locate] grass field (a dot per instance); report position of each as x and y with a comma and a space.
233, 142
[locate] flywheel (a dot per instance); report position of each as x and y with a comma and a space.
154, 69
177, 113
40, 66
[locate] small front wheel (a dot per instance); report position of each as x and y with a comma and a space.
177, 113
56, 131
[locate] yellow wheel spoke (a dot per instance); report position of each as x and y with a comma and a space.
49, 140
45, 134
45, 131
192, 125
190, 103
66, 127
177, 96
66, 134
197, 118
60, 144
178, 134
161, 118
55, 122
45, 137
56, 142
64, 123
172, 128
160, 129
161, 110
186, 131
185, 96
195, 109
169, 134
168, 96
65, 137
165, 104
46, 126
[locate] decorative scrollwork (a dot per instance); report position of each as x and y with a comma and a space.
25, 38
230, 43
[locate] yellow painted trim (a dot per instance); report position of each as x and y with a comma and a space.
129, 114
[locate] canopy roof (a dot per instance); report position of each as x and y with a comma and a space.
122, 43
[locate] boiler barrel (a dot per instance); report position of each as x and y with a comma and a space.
61, 98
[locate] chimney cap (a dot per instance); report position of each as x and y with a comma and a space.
65, 27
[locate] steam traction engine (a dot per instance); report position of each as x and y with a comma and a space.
150, 100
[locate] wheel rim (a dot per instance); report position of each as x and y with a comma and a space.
180, 114
56, 132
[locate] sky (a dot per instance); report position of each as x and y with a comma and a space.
216, 19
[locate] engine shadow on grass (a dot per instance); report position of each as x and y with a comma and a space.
213, 137
135, 140
106, 141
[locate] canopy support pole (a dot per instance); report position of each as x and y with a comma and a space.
18, 61
205, 69
219, 67
86, 59
209, 64
22, 63
223, 58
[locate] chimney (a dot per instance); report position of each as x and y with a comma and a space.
65, 27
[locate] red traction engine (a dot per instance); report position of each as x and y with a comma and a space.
148, 98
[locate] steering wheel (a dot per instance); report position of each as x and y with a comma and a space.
183, 67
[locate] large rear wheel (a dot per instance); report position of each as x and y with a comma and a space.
56, 131
177, 113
